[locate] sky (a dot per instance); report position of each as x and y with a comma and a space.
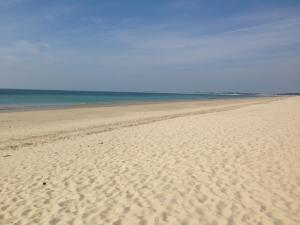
157, 45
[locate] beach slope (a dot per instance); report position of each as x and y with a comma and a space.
215, 162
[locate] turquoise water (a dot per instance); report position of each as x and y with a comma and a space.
16, 98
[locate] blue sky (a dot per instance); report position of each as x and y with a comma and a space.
171, 45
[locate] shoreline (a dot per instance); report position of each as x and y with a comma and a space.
27, 127
7, 109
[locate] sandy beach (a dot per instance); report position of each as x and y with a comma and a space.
221, 162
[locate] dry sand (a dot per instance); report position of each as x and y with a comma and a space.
220, 162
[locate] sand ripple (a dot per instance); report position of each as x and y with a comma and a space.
231, 167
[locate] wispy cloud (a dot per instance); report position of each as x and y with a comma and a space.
168, 44
259, 43
21, 51
158, 46
6, 4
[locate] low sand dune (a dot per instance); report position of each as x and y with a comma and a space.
227, 162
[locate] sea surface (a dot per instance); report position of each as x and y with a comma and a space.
19, 98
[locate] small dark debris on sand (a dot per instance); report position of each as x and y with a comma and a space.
44, 183
5, 156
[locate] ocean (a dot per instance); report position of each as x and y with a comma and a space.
21, 98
